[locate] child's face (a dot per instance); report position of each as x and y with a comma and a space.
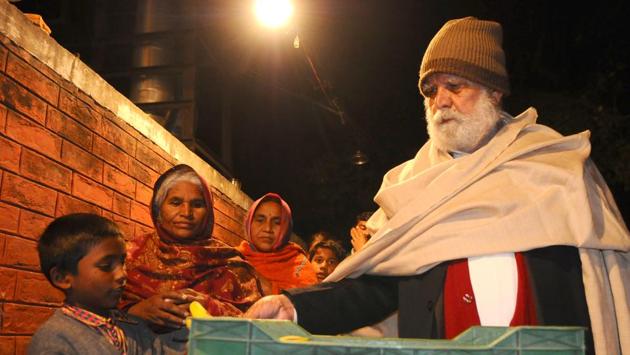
324, 262
100, 278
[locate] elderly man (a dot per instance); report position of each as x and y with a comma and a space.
496, 221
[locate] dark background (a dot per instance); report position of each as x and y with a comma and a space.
568, 60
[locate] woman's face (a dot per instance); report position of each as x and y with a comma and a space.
266, 225
183, 211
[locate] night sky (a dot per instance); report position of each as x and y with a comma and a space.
568, 60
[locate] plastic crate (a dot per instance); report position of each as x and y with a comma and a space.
235, 336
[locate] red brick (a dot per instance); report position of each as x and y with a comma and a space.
224, 206
122, 205
20, 99
82, 161
226, 236
227, 221
3, 118
110, 153
28, 194
68, 204
2, 237
162, 153
23, 319
126, 226
79, 110
3, 57
8, 280
46, 171
9, 154
118, 181
142, 173
140, 213
7, 344
33, 287
9, 217
124, 125
69, 128
21, 253
34, 62
21, 345
118, 136
143, 193
90, 102
151, 159
32, 224
32, 135
142, 229
91, 191
35, 81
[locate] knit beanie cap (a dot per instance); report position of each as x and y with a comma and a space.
469, 48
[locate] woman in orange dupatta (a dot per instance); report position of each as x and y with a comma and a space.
280, 264
180, 261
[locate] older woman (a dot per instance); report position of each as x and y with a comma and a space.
180, 261
280, 264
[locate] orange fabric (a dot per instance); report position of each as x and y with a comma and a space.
285, 268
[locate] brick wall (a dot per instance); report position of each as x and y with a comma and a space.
63, 151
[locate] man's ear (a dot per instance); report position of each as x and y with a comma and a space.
496, 96
60, 279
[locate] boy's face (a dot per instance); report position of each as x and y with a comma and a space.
324, 262
100, 278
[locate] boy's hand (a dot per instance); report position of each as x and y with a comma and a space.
168, 309
359, 238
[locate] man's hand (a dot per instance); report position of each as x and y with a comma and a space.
359, 238
272, 307
168, 309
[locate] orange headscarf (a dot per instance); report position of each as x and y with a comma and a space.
287, 265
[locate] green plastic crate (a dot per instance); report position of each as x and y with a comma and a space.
235, 336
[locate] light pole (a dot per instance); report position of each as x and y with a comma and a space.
276, 14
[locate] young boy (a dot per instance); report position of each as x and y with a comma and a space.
325, 256
83, 255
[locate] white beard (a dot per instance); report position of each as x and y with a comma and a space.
464, 132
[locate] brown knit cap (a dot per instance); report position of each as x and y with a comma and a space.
470, 48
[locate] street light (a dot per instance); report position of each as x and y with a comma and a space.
273, 13
276, 13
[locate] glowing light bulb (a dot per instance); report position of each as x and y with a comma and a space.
273, 13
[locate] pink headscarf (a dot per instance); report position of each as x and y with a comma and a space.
286, 221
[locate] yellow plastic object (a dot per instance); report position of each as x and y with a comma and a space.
197, 311
293, 339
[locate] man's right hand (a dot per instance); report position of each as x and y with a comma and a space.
168, 309
272, 307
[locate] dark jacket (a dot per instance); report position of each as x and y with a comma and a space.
339, 307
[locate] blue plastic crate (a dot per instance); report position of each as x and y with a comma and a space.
235, 336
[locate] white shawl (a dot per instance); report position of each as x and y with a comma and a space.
528, 188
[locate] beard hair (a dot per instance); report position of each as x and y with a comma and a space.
466, 132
